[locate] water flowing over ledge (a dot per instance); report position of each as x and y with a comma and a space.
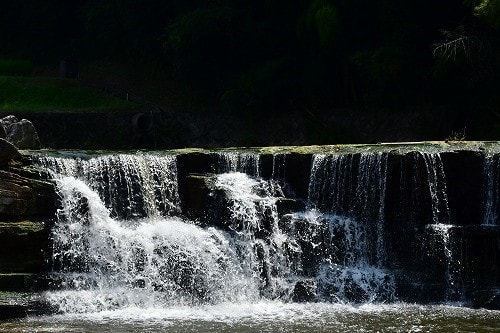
338, 224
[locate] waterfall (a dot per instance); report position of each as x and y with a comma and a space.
353, 186
437, 187
121, 239
263, 246
105, 263
248, 163
115, 245
453, 263
441, 226
346, 224
491, 174
105, 259
278, 171
131, 186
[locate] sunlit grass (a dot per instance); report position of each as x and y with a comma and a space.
50, 94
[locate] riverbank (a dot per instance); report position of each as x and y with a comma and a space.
171, 129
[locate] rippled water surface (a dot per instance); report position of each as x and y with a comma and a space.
269, 317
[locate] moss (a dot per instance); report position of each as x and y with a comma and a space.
389, 147
18, 298
20, 228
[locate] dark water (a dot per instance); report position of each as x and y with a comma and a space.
270, 317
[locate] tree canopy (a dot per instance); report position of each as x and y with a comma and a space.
254, 55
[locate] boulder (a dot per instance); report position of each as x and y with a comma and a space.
15, 305
7, 121
196, 195
304, 291
204, 202
3, 133
289, 206
8, 152
23, 135
20, 196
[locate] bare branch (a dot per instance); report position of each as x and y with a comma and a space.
460, 42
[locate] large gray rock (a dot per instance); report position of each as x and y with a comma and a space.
23, 135
3, 133
8, 152
5, 123
20, 196
9, 120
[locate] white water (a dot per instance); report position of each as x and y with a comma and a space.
453, 263
106, 260
105, 263
269, 317
492, 189
437, 187
148, 270
132, 186
260, 242
119, 242
248, 163
346, 222
441, 223
156, 262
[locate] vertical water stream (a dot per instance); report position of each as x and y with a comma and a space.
346, 222
441, 226
492, 189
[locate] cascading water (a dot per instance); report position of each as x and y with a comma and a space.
260, 241
441, 227
492, 189
125, 256
116, 245
120, 241
437, 187
131, 186
104, 263
453, 291
279, 162
345, 223
248, 163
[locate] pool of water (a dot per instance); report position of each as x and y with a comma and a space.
269, 317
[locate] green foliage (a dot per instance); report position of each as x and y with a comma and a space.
380, 65
54, 94
125, 27
323, 18
268, 54
201, 40
489, 11
327, 24
194, 27
384, 74
263, 86
15, 67
457, 136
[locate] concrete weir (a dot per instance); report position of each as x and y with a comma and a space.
415, 222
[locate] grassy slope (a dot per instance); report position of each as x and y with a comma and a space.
48, 94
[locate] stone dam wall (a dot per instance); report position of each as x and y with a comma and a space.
440, 206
